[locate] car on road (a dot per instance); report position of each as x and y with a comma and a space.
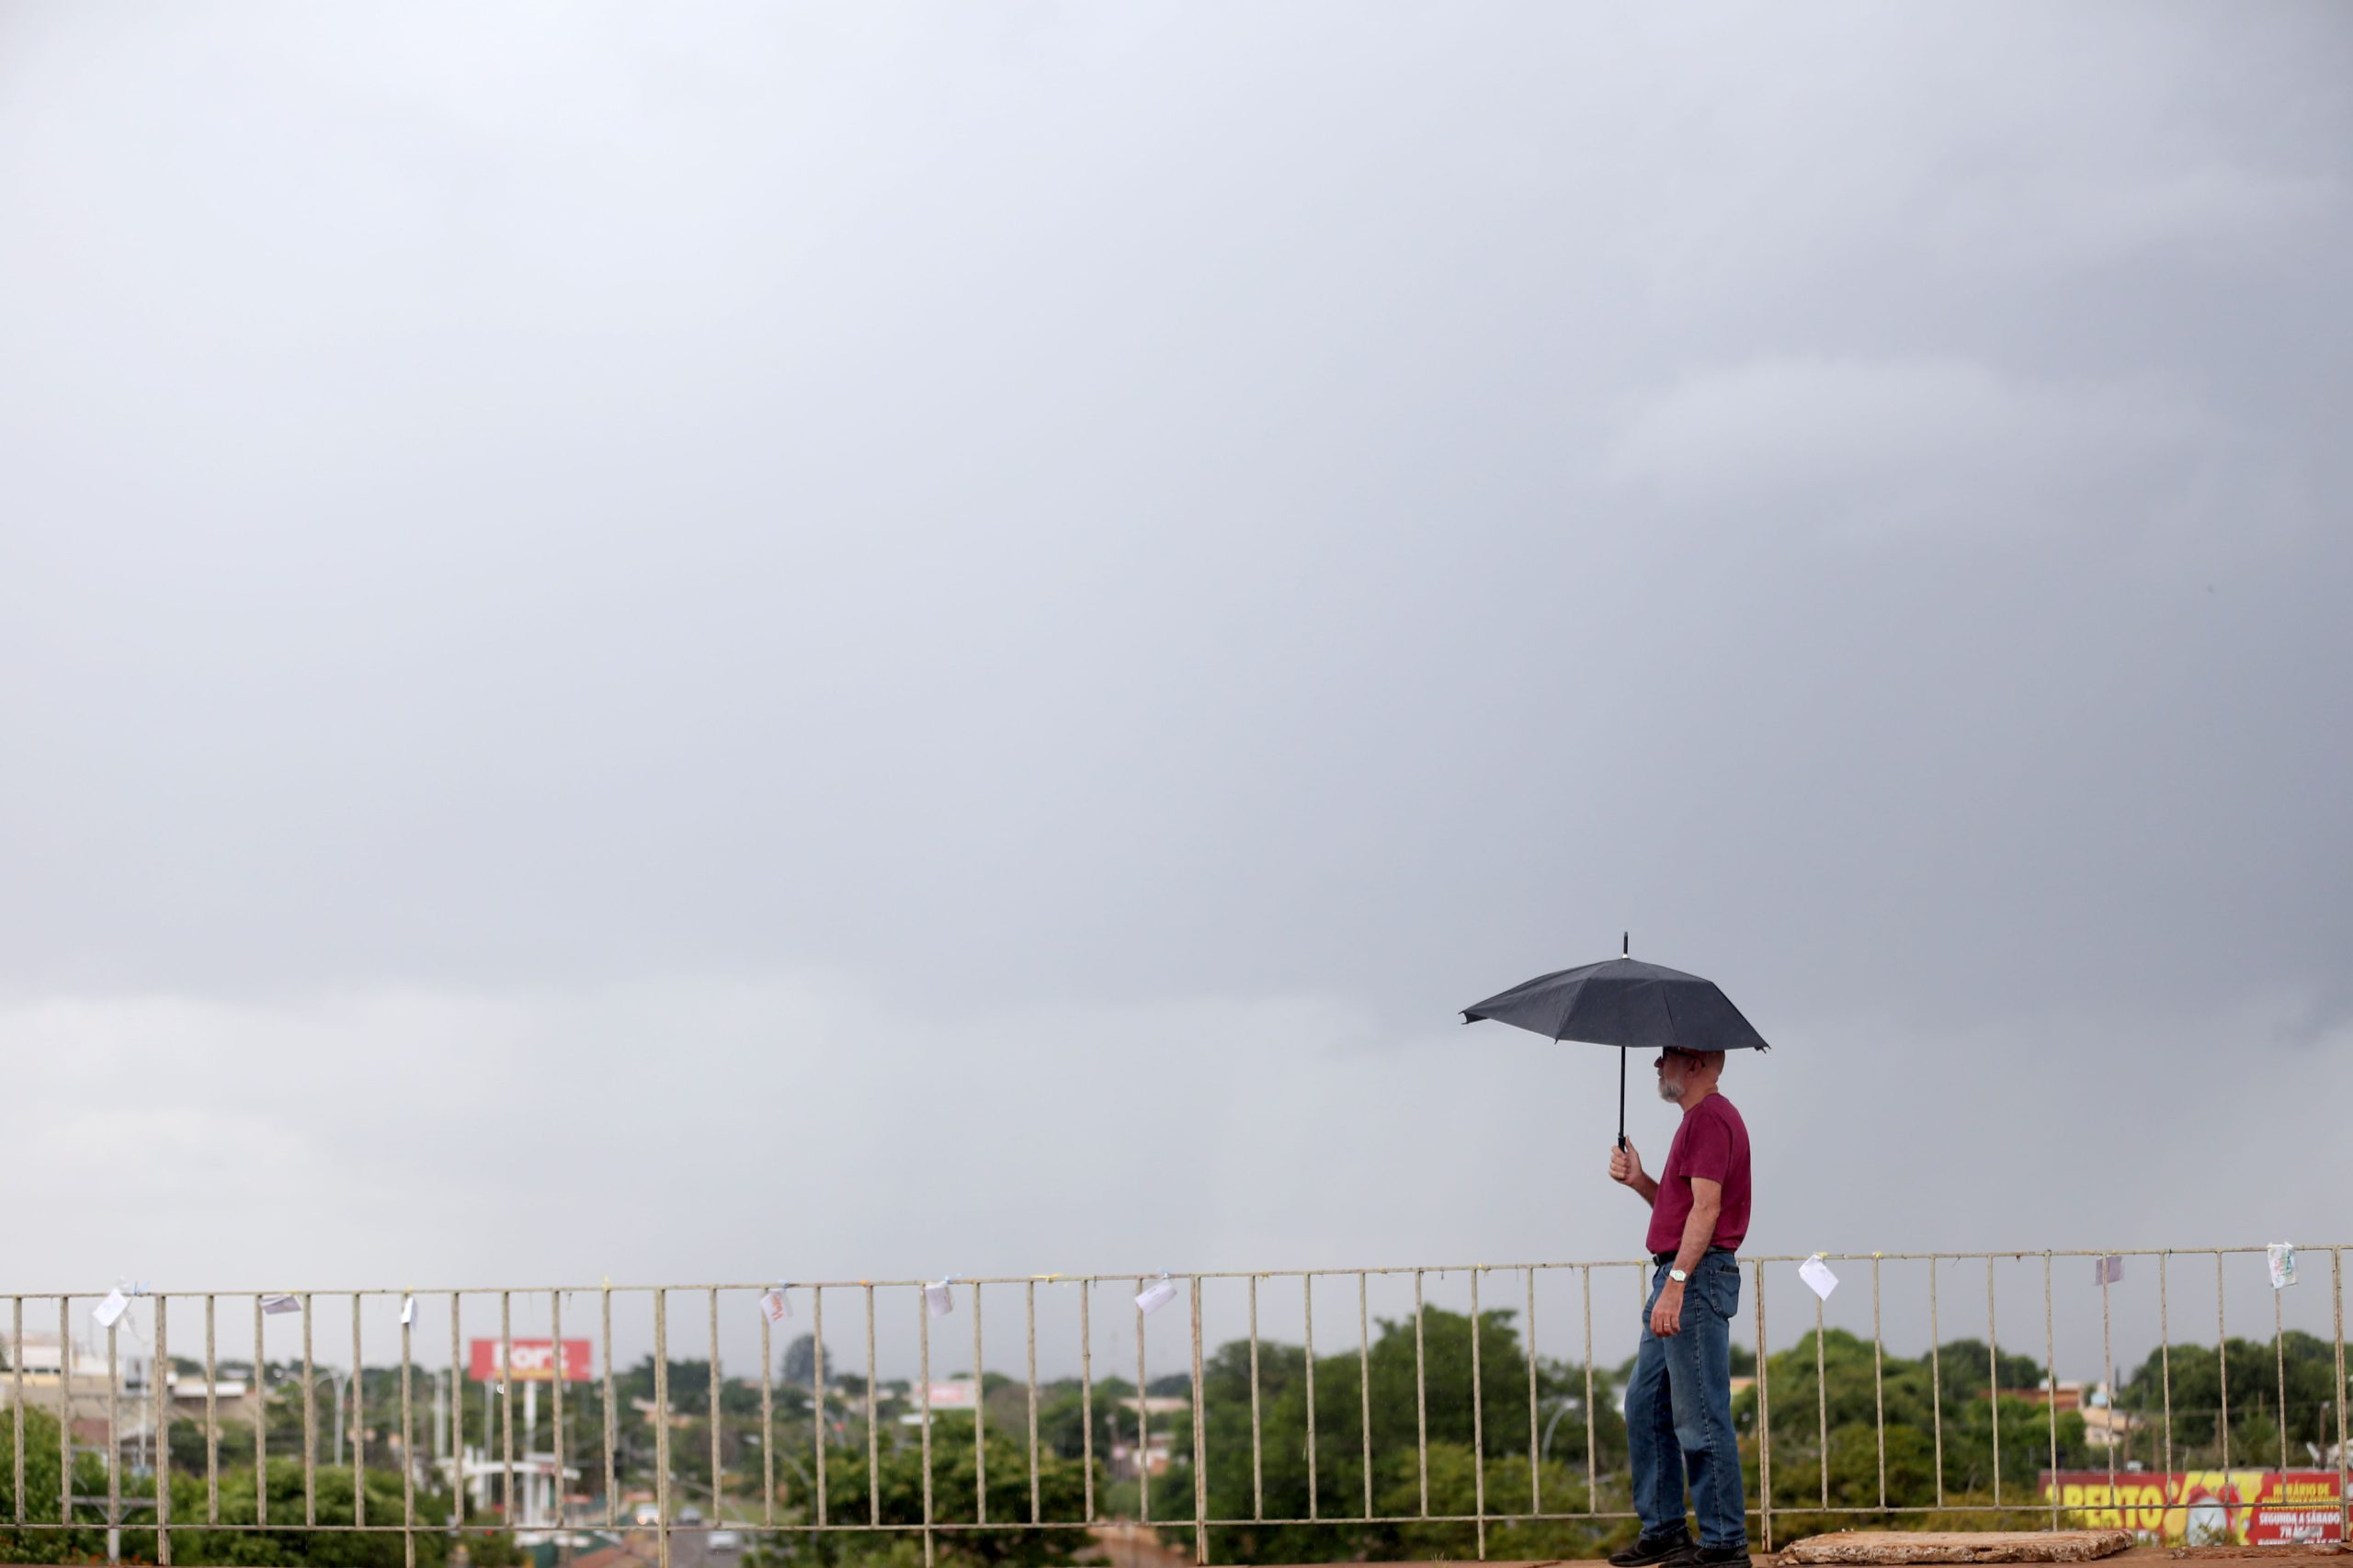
646, 1516
726, 1540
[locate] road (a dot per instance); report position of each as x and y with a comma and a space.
688, 1548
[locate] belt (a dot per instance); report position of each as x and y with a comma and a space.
1666, 1257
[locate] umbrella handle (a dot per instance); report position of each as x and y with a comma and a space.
1621, 1096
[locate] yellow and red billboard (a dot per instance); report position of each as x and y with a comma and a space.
2204, 1507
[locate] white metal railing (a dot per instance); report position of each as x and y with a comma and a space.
421, 1399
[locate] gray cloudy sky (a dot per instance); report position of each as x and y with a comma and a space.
703, 640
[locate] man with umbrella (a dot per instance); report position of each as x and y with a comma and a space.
1678, 1407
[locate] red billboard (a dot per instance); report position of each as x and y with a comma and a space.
535, 1360
2204, 1507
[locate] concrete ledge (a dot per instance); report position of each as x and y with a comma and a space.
1958, 1546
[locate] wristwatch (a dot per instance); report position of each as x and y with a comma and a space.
1678, 1276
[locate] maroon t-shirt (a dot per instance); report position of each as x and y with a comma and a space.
1713, 1143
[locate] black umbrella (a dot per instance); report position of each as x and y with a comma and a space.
1629, 1005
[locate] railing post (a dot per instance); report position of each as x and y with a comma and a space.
2337, 1297
2051, 1373
65, 1407
873, 1440
612, 1416
1307, 1309
662, 1428
1592, 1472
1937, 1378
457, 1411
556, 1444
817, 1390
1258, 1435
1085, 1391
1994, 1379
1535, 1459
408, 1433
1144, 1417
1478, 1424
1200, 1468
14, 1361
1821, 1407
2279, 1348
979, 1420
211, 1416
159, 1375
768, 1420
1364, 1387
310, 1423
506, 1411
1421, 1402
2222, 1362
355, 1407
1878, 1385
2108, 1377
923, 1343
1030, 1340
114, 1440
718, 1426
1764, 1414
2165, 1352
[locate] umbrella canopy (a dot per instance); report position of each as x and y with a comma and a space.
1628, 1003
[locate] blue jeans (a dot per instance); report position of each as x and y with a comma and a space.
1679, 1411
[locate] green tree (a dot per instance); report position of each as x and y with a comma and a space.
1455, 1488
1410, 1393
898, 1484
2025, 1428
43, 1470
1968, 1367
1837, 1391
2195, 1377
1061, 1410
285, 1540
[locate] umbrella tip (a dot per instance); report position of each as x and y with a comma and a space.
1625, 944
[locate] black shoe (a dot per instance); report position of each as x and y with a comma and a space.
1698, 1556
1652, 1548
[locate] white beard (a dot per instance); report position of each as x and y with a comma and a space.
1671, 1090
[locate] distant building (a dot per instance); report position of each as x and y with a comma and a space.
1156, 1453
86, 1392
536, 1484
85, 1364
1122, 1457
955, 1397
2105, 1427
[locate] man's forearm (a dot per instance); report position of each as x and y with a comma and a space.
1698, 1234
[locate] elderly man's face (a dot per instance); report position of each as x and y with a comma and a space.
1676, 1070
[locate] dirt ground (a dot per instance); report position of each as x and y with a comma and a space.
2136, 1555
